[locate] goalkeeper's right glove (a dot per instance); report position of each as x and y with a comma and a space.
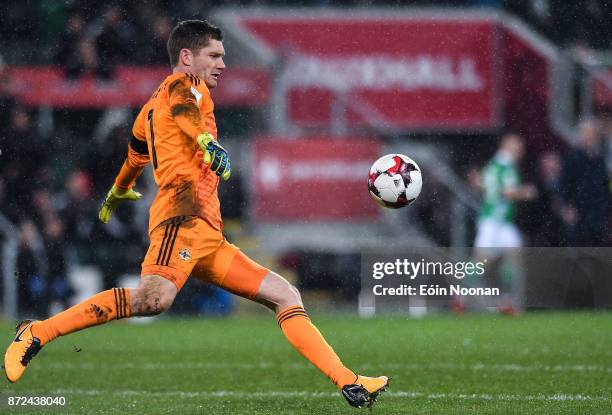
215, 155
113, 198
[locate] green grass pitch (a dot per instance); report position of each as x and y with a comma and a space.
540, 363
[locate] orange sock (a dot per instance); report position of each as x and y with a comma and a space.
309, 341
99, 309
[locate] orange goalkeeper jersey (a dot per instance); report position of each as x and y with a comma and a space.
164, 134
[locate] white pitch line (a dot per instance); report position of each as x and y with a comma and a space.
509, 367
326, 395
161, 366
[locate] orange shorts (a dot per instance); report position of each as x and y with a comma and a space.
181, 247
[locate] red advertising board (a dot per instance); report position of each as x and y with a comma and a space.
432, 73
131, 85
313, 178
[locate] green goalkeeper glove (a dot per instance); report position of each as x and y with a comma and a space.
113, 198
215, 155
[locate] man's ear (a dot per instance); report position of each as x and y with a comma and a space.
186, 57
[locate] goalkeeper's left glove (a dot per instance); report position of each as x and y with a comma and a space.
215, 155
113, 198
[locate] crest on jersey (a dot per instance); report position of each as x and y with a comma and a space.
184, 254
196, 94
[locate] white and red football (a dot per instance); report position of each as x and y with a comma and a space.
395, 181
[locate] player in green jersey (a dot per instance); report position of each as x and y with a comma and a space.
502, 188
497, 237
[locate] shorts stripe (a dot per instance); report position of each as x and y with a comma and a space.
176, 229
166, 243
161, 248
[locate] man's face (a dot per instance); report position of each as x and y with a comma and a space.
513, 144
208, 63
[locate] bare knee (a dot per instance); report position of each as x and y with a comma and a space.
294, 295
277, 293
153, 296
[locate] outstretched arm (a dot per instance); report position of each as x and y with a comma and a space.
137, 158
135, 162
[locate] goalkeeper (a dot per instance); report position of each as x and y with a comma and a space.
175, 131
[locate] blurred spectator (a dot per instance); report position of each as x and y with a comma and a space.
595, 24
22, 160
89, 59
69, 55
18, 21
155, 51
76, 208
114, 41
48, 221
31, 271
607, 134
544, 215
585, 189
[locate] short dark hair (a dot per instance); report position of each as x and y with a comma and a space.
193, 35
